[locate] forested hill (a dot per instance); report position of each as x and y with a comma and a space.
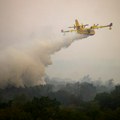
104, 106
66, 93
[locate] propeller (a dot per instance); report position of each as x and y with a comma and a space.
85, 25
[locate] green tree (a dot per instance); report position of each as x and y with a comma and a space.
42, 108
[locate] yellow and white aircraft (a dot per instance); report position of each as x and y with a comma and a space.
82, 29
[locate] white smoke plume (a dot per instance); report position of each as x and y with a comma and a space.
24, 65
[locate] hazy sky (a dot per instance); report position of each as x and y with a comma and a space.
99, 55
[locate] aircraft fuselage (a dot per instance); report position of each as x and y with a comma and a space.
86, 31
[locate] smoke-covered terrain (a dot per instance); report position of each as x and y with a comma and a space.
65, 92
23, 63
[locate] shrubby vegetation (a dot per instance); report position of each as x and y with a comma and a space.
73, 101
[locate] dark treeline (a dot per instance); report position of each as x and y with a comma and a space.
104, 106
64, 92
60, 100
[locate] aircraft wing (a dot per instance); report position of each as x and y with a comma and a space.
97, 27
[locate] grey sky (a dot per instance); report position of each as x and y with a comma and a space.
99, 55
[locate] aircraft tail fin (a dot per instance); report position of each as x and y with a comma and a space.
77, 23
110, 25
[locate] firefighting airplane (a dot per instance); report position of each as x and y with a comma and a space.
82, 29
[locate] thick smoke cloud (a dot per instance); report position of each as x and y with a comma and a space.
24, 64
